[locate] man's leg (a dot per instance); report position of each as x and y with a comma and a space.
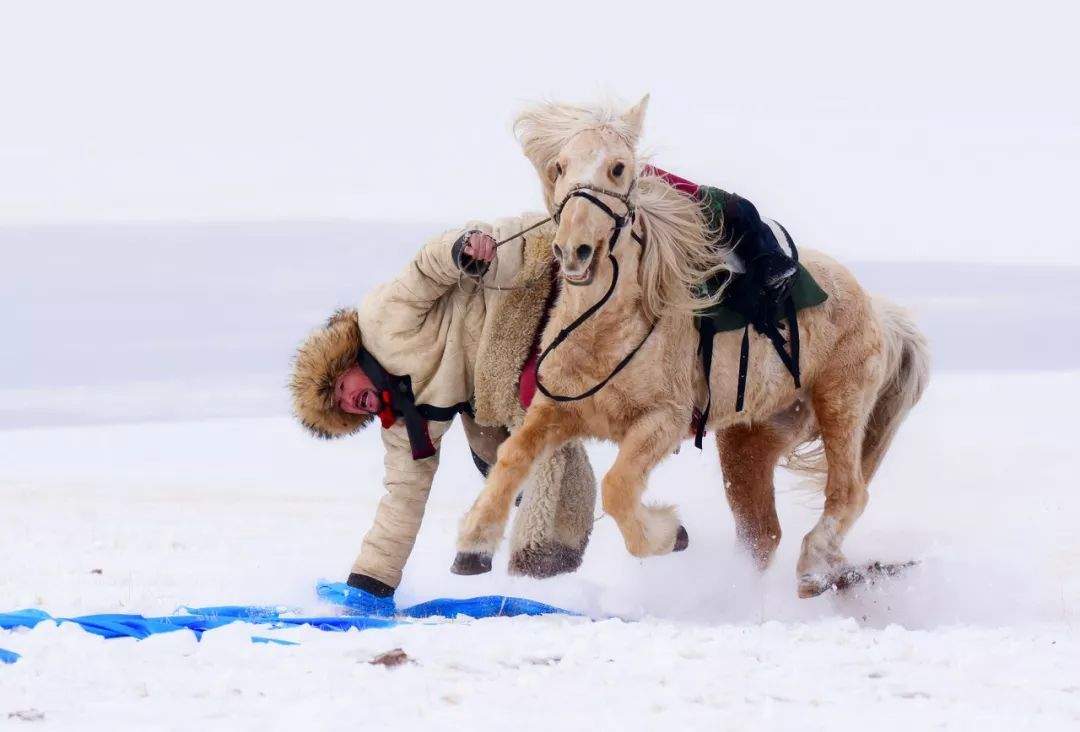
483, 442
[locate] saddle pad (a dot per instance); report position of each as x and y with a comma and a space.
805, 292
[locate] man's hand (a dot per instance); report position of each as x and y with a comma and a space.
480, 246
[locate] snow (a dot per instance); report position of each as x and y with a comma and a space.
186, 193
144, 433
249, 510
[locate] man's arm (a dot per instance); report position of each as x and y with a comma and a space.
390, 539
442, 260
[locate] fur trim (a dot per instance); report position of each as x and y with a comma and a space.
552, 528
325, 355
513, 319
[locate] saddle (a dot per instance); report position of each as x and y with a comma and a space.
746, 304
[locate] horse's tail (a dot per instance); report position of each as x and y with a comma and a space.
907, 371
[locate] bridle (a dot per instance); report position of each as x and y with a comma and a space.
586, 191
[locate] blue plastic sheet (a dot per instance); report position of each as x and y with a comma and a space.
362, 611
273, 641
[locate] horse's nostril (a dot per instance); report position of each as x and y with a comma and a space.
583, 252
558, 251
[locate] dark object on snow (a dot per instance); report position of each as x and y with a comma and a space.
869, 574
28, 715
391, 659
851, 577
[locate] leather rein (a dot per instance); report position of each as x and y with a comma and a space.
586, 192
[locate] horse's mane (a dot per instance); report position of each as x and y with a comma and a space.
680, 252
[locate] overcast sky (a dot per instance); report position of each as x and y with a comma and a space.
937, 130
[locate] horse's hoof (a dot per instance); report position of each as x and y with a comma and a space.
468, 563
545, 561
682, 540
812, 585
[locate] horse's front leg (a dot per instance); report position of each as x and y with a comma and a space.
545, 428
646, 530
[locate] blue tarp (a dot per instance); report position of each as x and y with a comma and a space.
361, 611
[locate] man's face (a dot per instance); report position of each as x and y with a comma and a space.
354, 393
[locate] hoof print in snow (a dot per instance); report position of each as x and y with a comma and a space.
28, 715
391, 659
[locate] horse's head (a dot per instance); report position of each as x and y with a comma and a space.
588, 167
595, 188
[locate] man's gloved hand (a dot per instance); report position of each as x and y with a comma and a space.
473, 252
480, 246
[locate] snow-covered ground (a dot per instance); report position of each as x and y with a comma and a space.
983, 634
146, 462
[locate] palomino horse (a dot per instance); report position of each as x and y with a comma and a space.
863, 362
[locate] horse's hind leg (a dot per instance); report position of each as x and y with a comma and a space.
840, 404
646, 530
545, 428
748, 456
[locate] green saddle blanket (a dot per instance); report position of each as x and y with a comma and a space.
805, 293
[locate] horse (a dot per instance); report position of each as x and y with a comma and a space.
628, 372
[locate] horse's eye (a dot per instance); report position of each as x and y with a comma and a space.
558, 169
617, 170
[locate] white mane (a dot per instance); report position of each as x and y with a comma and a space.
680, 250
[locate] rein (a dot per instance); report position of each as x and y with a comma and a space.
586, 191
583, 191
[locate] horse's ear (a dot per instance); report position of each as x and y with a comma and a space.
635, 118
551, 171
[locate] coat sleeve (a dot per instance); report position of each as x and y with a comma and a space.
433, 273
435, 268
390, 539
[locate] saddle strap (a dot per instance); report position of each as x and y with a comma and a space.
790, 358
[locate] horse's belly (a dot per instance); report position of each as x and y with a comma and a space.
770, 387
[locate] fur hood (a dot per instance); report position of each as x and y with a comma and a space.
497, 332
327, 352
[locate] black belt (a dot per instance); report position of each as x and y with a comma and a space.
403, 404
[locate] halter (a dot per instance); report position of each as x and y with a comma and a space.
584, 190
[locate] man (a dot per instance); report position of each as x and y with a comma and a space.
425, 347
